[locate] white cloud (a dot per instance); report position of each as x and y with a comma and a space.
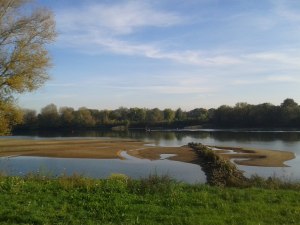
93, 44
52, 84
115, 19
246, 81
100, 28
283, 78
97, 28
182, 89
184, 83
167, 89
274, 59
267, 80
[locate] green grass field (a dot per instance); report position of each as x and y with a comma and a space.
155, 200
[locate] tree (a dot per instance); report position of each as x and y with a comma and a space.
66, 116
49, 117
104, 116
119, 114
137, 114
180, 115
262, 115
241, 113
223, 116
199, 114
289, 102
29, 119
24, 59
290, 113
169, 115
154, 115
83, 118
9, 116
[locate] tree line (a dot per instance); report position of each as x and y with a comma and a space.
242, 115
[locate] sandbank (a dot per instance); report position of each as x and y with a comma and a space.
255, 157
111, 149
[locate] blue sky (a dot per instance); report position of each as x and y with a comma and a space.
171, 53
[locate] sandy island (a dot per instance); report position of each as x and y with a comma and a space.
111, 149
255, 157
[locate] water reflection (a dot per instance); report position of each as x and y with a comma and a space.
289, 141
102, 168
223, 135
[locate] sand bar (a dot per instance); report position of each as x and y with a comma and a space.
111, 148
73, 148
255, 157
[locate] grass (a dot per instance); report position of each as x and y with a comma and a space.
155, 200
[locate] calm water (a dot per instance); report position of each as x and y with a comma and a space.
286, 141
101, 168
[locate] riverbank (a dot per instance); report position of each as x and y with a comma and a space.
155, 200
111, 149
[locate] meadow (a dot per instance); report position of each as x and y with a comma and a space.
155, 200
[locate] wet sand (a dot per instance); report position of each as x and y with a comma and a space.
74, 148
182, 154
111, 149
255, 157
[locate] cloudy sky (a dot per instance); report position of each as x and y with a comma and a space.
172, 53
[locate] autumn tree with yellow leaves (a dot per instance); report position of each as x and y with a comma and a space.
24, 33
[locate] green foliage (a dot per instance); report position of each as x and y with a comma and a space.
49, 117
265, 115
67, 116
137, 114
242, 115
180, 115
10, 115
156, 184
83, 118
120, 200
169, 115
198, 114
154, 115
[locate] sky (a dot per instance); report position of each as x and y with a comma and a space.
171, 54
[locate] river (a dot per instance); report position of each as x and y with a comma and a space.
136, 168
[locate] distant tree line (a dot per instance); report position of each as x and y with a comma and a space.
242, 115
